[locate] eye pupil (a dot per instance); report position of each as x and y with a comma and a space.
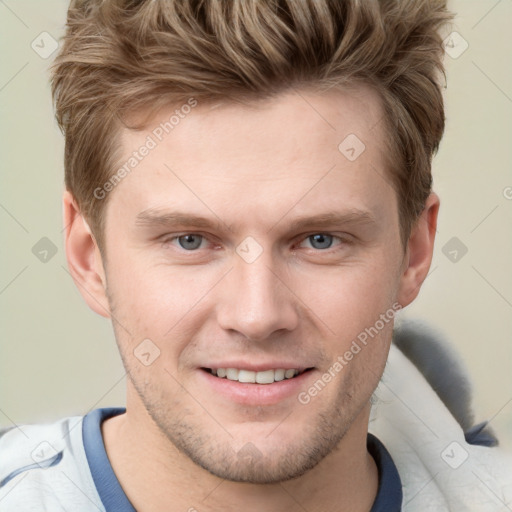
325, 241
190, 241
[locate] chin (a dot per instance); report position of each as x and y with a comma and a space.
250, 465
269, 457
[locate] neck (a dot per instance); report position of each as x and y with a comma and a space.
154, 474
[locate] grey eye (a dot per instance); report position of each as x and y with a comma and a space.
324, 241
190, 241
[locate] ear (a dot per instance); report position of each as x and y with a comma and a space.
84, 257
419, 252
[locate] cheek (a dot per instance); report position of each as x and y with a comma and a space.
154, 297
348, 299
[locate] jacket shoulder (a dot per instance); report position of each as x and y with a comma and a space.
44, 466
443, 368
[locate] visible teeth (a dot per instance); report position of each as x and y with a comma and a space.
246, 376
231, 373
278, 375
266, 377
263, 377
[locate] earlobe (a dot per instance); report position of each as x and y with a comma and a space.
419, 252
84, 258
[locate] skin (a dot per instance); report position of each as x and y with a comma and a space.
254, 169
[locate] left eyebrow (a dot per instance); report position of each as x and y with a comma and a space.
354, 216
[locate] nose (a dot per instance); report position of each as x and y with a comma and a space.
257, 300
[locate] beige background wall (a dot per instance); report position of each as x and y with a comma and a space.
58, 358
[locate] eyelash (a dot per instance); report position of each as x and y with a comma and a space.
343, 241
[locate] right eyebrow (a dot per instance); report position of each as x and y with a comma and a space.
153, 217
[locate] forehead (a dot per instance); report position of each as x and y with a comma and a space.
293, 121
300, 150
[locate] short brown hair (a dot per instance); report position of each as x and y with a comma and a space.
123, 56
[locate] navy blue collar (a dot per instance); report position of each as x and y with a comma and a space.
388, 499
111, 493
389, 494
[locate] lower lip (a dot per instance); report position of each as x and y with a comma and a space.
256, 394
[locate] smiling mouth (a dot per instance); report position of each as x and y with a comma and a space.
253, 377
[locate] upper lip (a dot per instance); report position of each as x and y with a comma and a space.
257, 367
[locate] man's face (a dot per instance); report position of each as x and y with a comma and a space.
252, 289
